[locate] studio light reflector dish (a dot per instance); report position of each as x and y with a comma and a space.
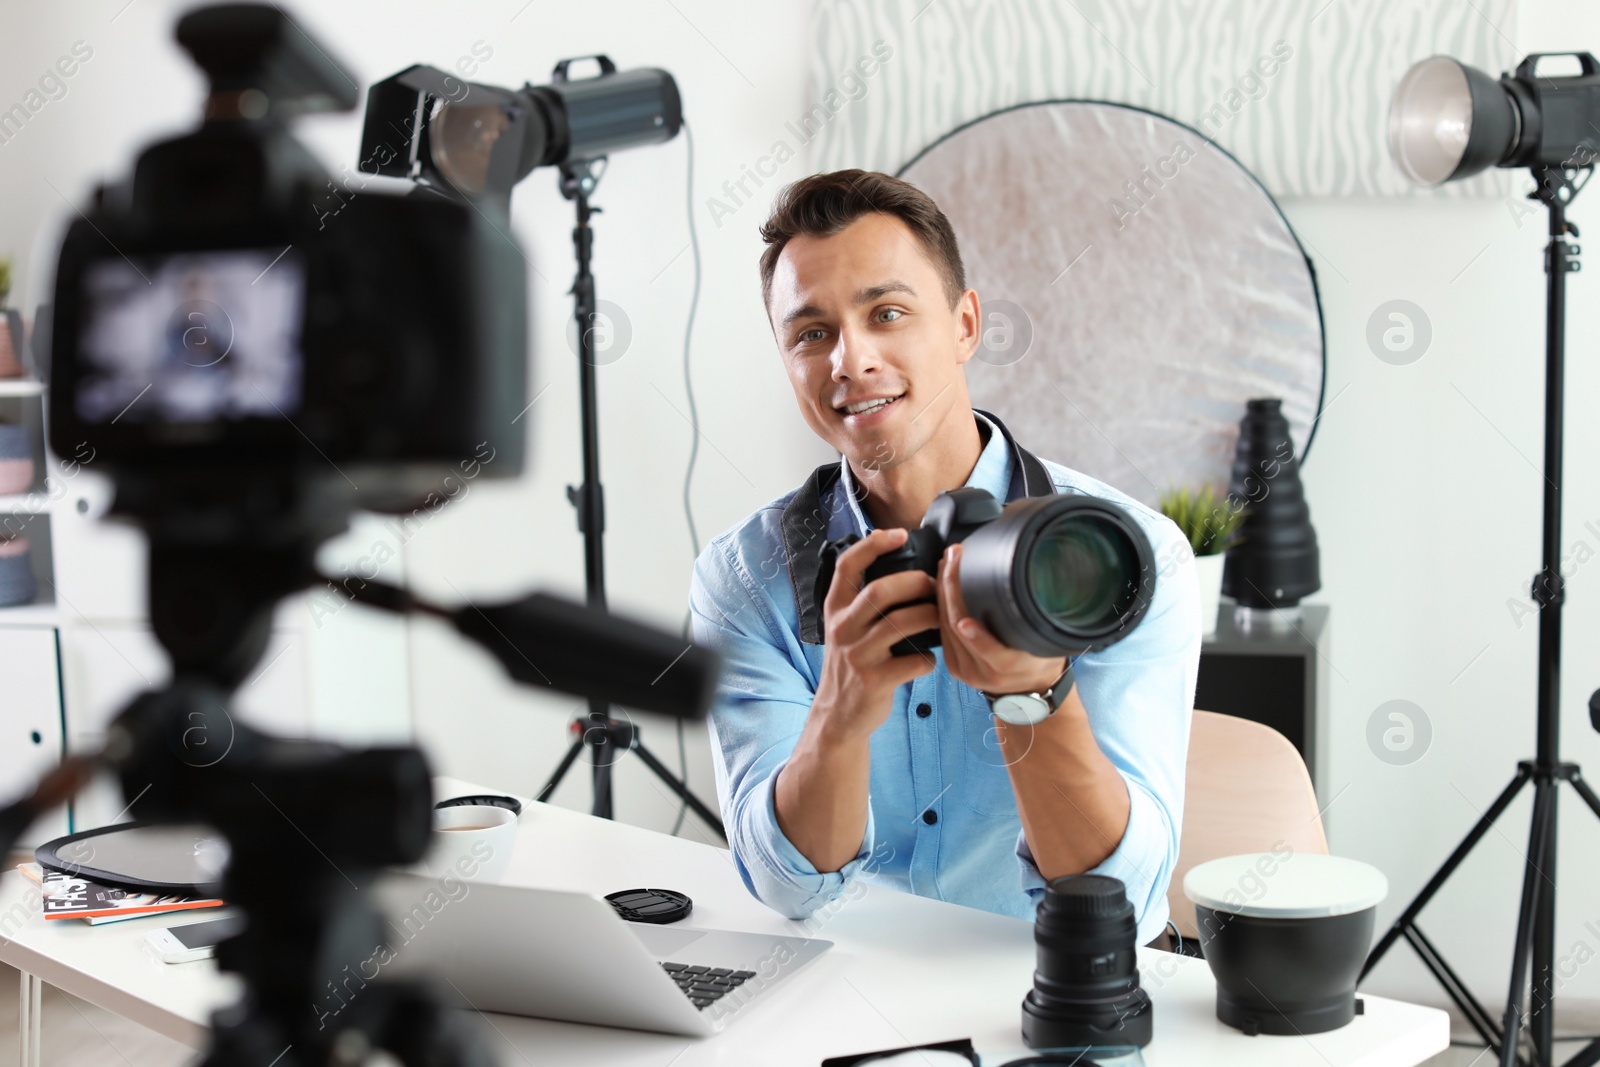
1449, 121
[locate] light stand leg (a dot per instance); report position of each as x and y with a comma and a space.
1585, 792
560, 771
1408, 917
1538, 842
1589, 1056
1477, 1015
1541, 1006
707, 816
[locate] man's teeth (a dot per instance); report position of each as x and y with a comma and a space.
869, 405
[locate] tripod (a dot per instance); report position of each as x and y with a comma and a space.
606, 737
1536, 915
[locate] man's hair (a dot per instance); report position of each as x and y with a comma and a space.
824, 204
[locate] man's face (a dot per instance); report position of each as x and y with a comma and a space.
873, 349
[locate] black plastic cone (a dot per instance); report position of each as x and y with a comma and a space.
1275, 562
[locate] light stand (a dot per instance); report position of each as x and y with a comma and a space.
602, 734
1536, 915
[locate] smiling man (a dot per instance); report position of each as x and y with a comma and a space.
837, 761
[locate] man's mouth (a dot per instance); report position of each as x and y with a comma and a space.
867, 407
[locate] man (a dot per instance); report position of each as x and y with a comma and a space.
838, 761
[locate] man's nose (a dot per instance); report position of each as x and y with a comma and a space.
854, 356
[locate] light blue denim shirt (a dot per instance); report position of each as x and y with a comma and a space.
1138, 693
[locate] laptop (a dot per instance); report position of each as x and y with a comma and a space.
570, 956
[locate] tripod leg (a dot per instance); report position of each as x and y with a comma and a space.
706, 814
1541, 1007
1588, 1057
1585, 792
1537, 838
1477, 1015
561, 770
1409, 916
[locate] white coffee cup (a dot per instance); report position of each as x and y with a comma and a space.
472, 841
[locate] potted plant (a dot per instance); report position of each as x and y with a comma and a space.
1211, 525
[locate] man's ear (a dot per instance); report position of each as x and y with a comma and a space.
969, 325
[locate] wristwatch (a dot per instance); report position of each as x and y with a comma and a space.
1026, 709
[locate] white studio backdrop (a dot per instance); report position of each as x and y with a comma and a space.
1423, 483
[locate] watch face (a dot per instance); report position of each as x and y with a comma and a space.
1021, 709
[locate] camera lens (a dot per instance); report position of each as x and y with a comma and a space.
1059, 575
1081, 571
1086, 986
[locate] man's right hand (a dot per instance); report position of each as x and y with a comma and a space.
860, 625
821, 795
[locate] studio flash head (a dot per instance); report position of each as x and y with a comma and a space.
1449, 121
479, 141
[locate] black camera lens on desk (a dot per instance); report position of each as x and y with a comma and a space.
1086, 988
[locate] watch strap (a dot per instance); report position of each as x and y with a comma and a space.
1057, 693
1054, 695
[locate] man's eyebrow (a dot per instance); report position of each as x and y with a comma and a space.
801, 313
872, 293
864, 296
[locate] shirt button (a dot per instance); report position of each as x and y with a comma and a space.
930, 816
924, 710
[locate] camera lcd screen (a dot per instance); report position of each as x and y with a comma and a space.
195, 337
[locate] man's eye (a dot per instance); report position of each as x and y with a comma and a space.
812, 335
884, 315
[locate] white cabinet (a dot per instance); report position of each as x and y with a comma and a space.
100, 566
30, 728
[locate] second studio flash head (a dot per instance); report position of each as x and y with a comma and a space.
478, 140
1449, 121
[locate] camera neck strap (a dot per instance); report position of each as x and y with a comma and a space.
818, 513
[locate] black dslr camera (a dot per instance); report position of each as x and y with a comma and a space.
1054, 575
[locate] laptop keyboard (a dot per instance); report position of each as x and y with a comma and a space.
703, 985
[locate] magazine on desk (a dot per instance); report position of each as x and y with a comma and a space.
67, 896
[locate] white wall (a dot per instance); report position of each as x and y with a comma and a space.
1423, 481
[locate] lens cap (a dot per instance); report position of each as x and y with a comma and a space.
651, 905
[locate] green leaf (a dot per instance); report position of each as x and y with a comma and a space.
1211, 524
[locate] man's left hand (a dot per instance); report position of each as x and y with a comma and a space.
974, 655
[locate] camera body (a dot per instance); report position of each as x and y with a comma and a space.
1052, 575
224, 312
949, 519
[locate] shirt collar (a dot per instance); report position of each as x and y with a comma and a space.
992, 473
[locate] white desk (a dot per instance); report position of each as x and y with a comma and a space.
903, 970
